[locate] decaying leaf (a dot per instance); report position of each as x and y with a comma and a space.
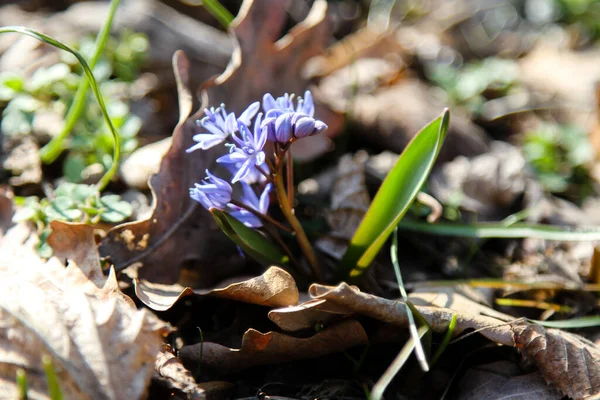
261, 63
504, 379
269, 348
568, 361
76, 243
170, 373
100, 345
487, 185
274, 288
349, 202
306, 315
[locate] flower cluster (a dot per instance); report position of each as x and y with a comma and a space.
247, 160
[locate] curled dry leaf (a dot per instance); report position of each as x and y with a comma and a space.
306, 315
274, 288
273, 347
100, 345
349, 202
394, 312
179, 232
568, 361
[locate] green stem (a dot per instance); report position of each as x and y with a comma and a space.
217, 10
93, 84
52, 150
264, 217
288, 212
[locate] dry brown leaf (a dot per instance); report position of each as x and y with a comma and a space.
171, 374
76, 242
306, 315
350, 201
489, 184
180, 232
100, 345
274, 288
504, 380
273, 347
568, 361
394, 312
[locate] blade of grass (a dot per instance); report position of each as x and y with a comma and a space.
53, 387
500, 230
397, 364
575, 323
216, 9
50, 152
93, 84
412, 326
394, 197
446, 341
542, 305
22, 384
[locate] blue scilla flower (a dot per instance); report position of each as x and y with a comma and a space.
250, 199
275, 107
284, 122
247, 150
220, 125
212, 192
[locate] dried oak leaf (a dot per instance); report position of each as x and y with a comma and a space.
180, 232
273, 347
274, 288
100, 345
568, 361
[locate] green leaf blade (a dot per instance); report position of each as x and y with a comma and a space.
249, 240
396, 194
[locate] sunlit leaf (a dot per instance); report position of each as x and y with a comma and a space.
395, 196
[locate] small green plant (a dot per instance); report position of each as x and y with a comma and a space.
559, 155
584, 15
472, 84
50, 92
72, 203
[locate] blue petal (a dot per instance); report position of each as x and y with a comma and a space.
304, 126
249, 197
269, 125
247, 218
283, 128
200, 198
232, 158
320, 126
243, 171
249, 113
268, 102
263, 204
308, 105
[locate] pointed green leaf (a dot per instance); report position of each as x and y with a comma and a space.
249, 240
395, 196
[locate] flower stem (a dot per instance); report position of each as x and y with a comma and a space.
265, 174
290, 176
264, 217
288, 212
